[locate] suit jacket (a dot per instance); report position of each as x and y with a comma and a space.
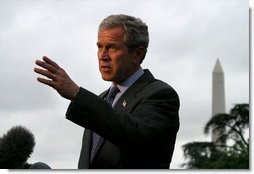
139, 132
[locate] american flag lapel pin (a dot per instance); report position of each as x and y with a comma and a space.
124, 103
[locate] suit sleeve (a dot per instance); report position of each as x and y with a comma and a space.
153, 120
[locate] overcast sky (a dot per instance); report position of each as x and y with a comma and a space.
186, 38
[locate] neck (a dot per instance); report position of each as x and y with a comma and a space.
127, 76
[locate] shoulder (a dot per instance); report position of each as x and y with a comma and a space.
158, 93
158, 86
161, 89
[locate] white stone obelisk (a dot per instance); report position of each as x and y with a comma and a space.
218, 97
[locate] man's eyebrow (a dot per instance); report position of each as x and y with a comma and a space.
108, 44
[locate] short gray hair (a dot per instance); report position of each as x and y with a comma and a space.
136, 31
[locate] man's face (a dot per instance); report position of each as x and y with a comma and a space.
115, 62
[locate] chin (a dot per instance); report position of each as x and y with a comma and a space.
106, 78
109, 77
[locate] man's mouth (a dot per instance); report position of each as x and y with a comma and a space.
105, 68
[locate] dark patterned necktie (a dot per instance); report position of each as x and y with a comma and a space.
95, 137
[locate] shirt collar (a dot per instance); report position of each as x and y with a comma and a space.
123, 86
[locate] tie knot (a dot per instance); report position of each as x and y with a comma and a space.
112, 94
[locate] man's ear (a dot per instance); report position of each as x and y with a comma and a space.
139, 54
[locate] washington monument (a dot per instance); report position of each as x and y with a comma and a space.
218, 97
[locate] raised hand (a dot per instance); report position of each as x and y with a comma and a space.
57, 78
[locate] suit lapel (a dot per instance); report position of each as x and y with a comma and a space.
125, 102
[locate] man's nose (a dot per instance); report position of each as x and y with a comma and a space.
103, 54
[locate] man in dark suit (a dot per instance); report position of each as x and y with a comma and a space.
134, 123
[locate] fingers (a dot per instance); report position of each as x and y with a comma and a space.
51, 67
46, 82
51, 62
50, 70
45, 73
47, 66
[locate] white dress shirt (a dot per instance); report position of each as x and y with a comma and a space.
127, 83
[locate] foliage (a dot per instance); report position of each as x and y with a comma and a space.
213, 155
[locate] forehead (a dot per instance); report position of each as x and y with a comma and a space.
111, 35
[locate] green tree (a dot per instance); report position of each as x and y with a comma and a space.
234, 154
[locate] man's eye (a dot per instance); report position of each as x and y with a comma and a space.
113, 47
